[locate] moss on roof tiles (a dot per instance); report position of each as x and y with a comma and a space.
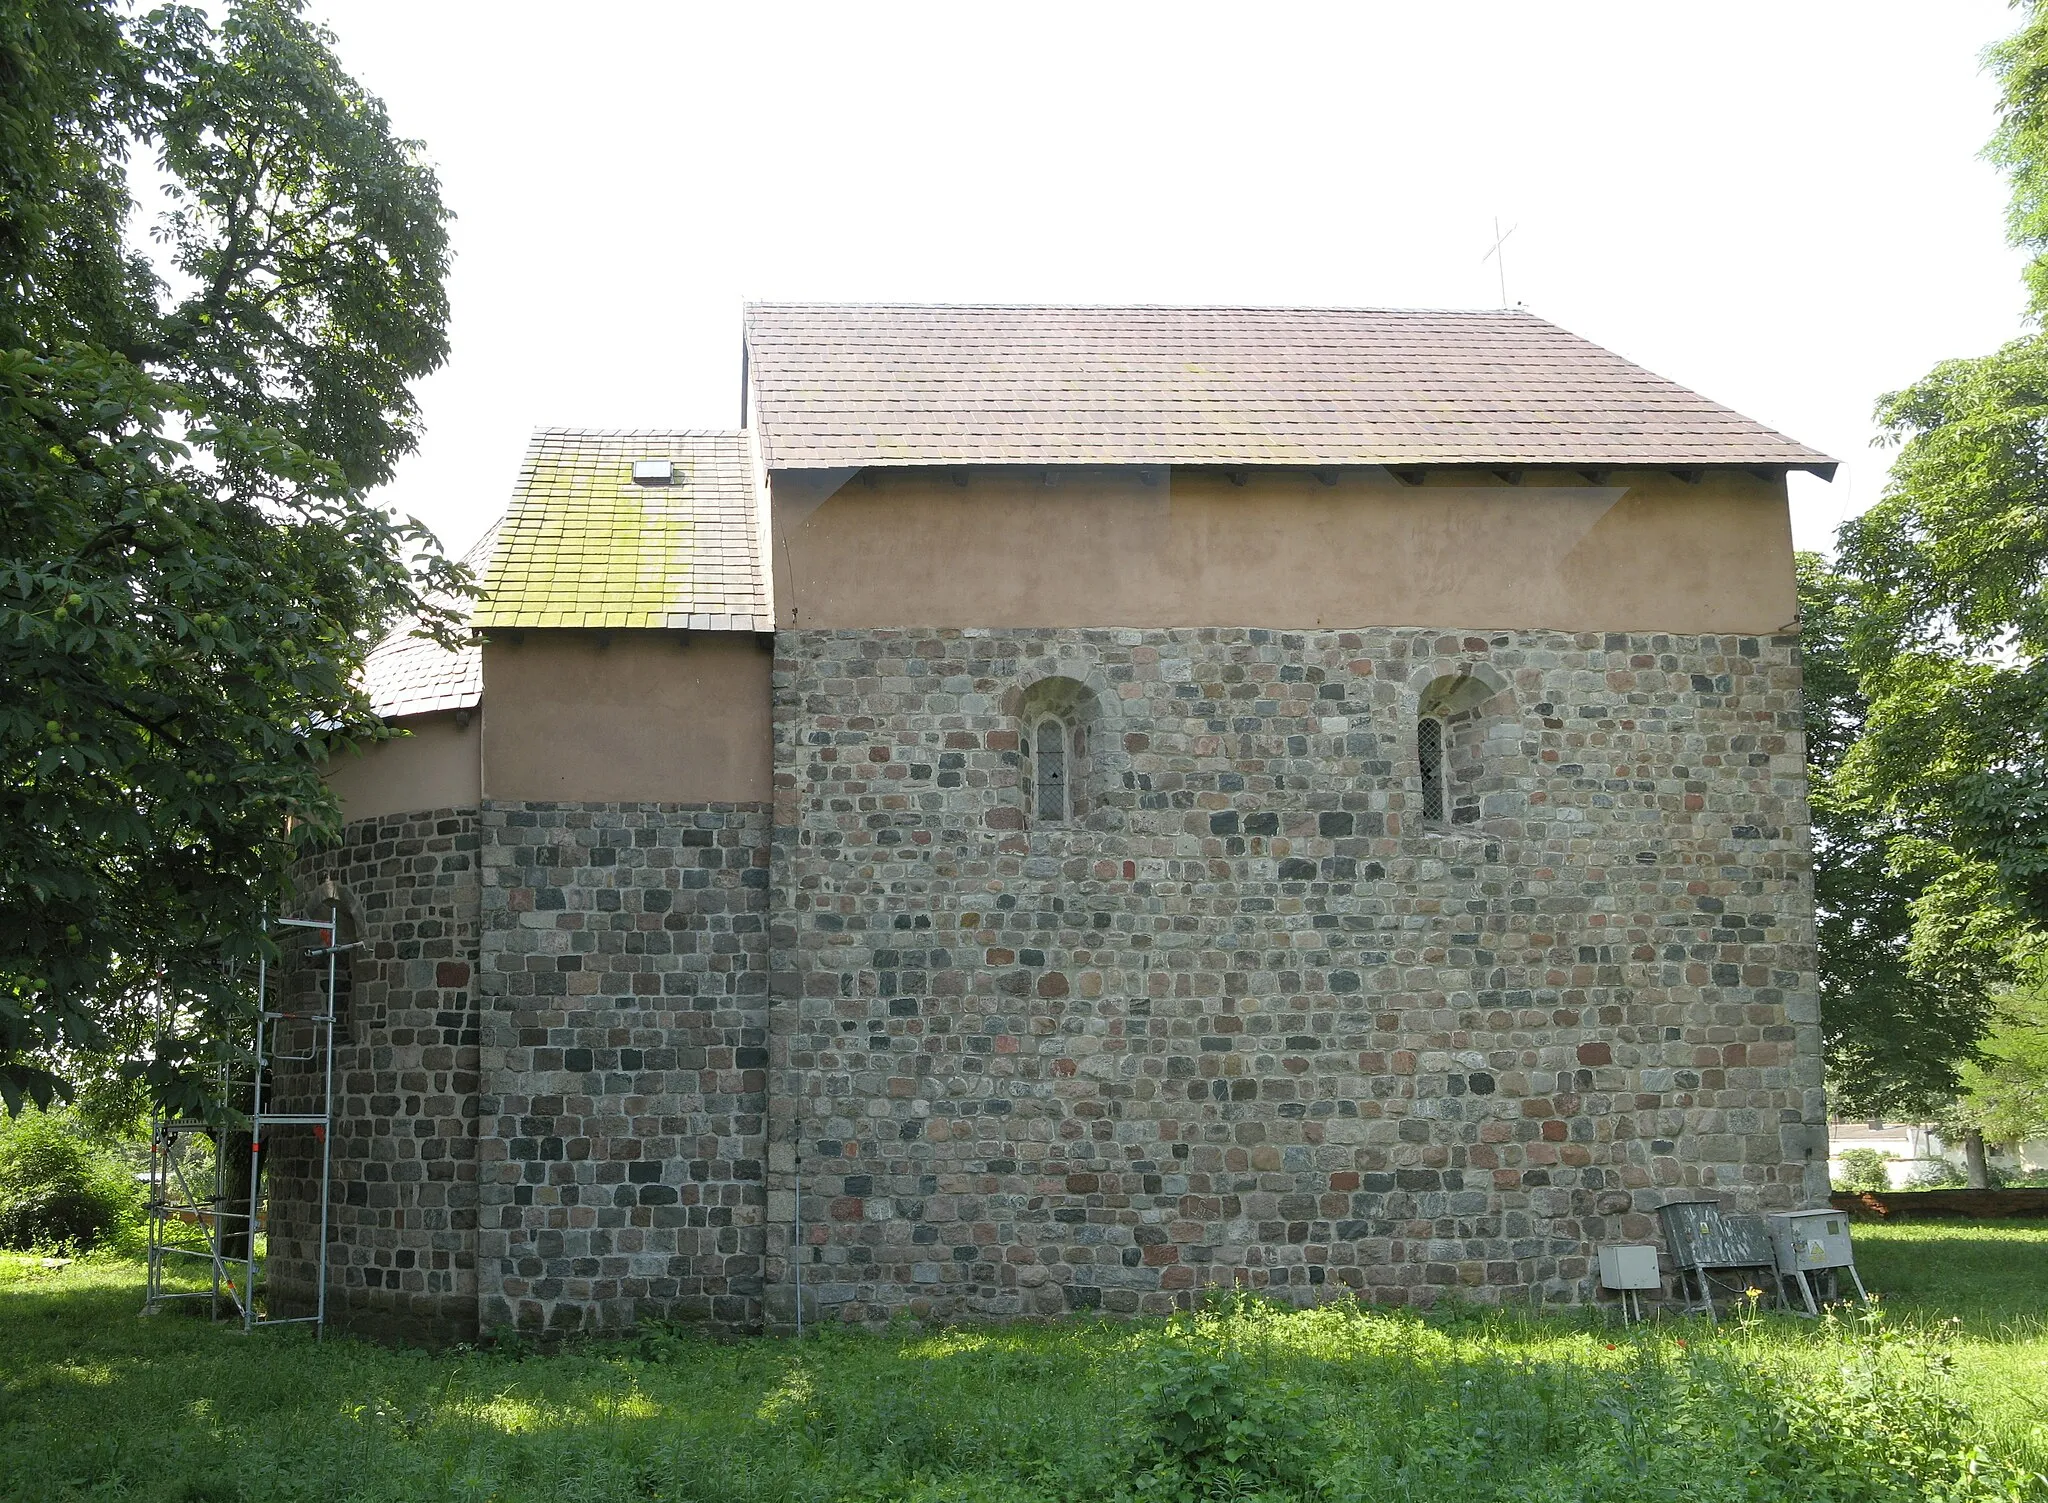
584, 545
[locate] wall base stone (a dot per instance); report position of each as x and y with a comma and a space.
1227, 1009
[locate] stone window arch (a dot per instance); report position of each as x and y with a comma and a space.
1459, 758
356, 1011
1056, 733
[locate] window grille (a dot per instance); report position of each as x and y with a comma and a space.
1429, 751
1052, 773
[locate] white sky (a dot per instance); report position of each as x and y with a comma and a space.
1777, 202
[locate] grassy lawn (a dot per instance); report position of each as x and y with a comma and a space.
1946, 1397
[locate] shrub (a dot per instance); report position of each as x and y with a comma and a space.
58, 1187
1213, 1422
1864, 1172
1939, 1175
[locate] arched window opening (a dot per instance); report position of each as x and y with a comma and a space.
308, 985
1462, 736
1429, 751
1054, 718
1053, 801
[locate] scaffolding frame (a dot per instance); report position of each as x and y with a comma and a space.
178, 1198
175, 1199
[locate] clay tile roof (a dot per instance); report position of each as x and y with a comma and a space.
409, 675
585, 545
841, 384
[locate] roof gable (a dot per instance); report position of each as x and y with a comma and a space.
844, 384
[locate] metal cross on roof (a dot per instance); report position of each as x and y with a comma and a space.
1499, 257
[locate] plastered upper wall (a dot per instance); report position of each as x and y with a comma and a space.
1102, 547
437, 766
627, 716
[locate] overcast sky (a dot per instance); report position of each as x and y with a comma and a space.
1777, 202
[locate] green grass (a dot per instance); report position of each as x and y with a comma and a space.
1242, 1402
1987, 1281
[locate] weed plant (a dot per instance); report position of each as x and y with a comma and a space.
1240, 1400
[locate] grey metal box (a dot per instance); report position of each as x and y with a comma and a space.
1629, 1265
1701, 1235
1811, 1239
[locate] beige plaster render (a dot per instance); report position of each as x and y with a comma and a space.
436, 765
1103, 546
627, 716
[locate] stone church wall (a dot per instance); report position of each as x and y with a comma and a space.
623, 993
402, 1238
1245, 1018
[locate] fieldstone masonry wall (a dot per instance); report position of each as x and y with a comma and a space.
624, 989
1242, 1018
402, 1237
1250, 1022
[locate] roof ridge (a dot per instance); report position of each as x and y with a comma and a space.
574, 431
1383, 309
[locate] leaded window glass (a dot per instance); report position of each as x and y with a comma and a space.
1052, 773
1429, 751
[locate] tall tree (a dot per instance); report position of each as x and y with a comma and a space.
1950, 636
1931, 645
191, 568
1895, 1033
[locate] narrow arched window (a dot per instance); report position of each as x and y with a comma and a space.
1055, 759
1053, 801
1429, 751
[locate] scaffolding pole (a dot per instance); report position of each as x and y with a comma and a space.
270, 1024
181, 1196
178, 1197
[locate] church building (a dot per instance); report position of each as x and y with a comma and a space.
1066, 807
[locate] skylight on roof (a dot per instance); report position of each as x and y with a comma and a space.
653, 471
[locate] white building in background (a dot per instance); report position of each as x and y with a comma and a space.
1919, 1152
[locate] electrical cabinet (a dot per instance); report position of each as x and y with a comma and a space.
1813, 1242
1629, 1265
1811, 1239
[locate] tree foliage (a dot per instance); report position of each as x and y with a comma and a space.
190, 568
1894, 1034
2020, 145
1951, 567
2005, 1088
1929, 647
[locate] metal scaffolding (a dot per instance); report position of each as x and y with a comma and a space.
183, 1194
188, 1193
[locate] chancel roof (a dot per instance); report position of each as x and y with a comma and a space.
586, 544
849, 384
